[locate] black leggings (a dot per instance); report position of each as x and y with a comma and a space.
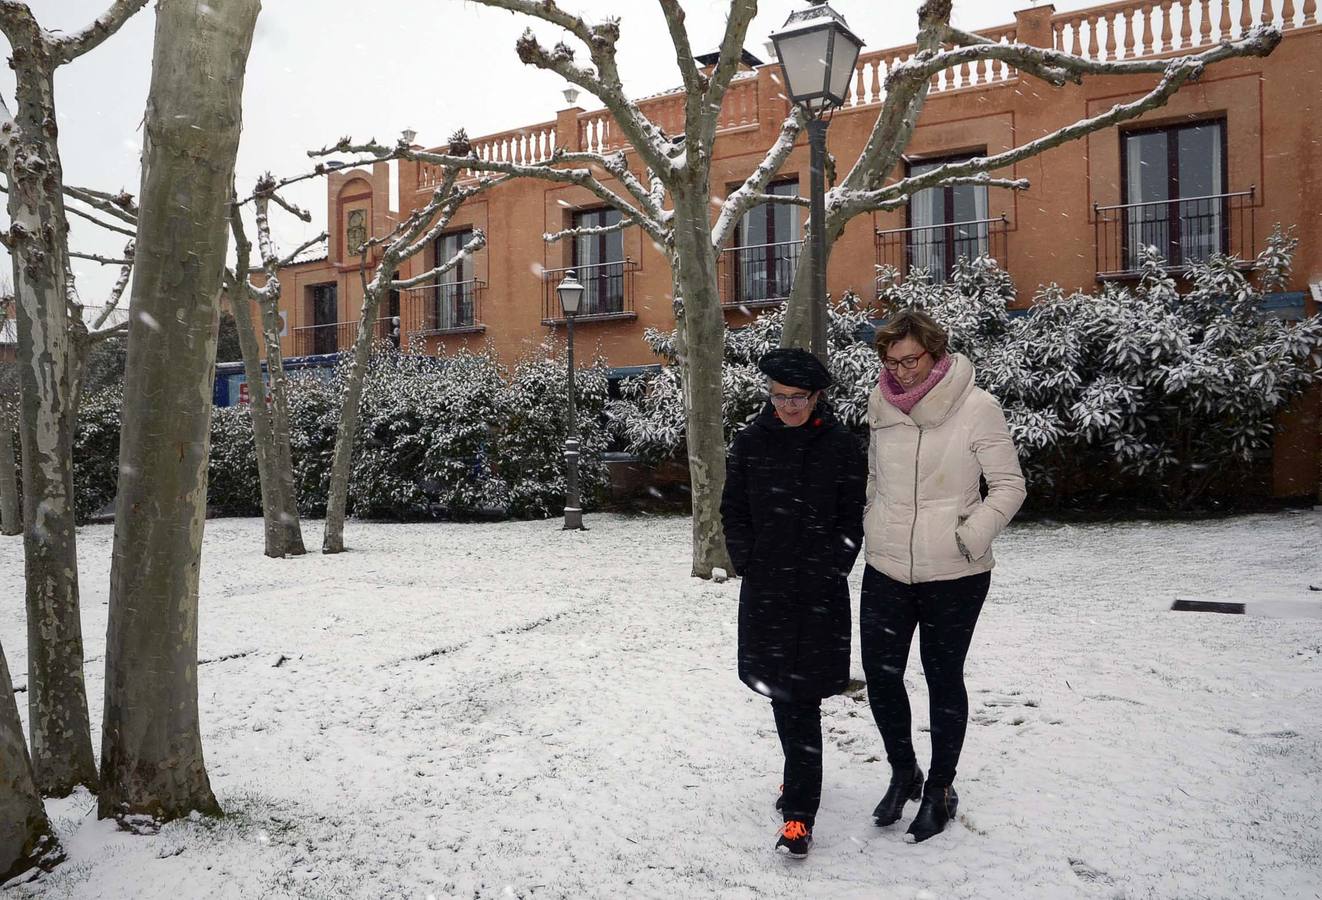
800, 728
945, 613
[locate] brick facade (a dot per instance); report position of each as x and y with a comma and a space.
1270, 164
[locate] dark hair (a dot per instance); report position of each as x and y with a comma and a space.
916, 324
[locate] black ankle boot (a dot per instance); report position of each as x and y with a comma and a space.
904, 786
938, 808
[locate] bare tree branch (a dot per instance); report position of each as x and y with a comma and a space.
617, 166
120, 330
1058, 68
103, 260
476, 243
604, 83
75, 45
303, 247
552, 237
843, 204
317, 171
292, 208
117, 292
745, 197
646, 138
982, 180
401, 238
703, 129
108, 226
121, 205
694, 83
545, 171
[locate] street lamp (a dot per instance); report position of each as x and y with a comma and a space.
570, 291
817, 54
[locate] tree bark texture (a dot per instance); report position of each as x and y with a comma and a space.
57, 698
260, 413
151, 747
11, 517
291, 529
347, 435
25, 834
702, 333
797, 330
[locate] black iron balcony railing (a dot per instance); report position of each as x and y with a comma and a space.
1185, 231
441, 308
315, 340
936, 248
607, 291
757, 274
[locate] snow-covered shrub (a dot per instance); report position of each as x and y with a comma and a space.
456, 435
530, 435
233, 486
96, 451
426, 435
314, 416
649, 419
1138, 390
1147, 390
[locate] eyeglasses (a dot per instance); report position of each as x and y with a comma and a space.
908, 363
793, 401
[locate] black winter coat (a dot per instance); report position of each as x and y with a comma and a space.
793, 514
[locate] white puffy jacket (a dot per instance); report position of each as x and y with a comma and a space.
923, 488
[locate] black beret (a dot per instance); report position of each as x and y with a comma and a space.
795, 367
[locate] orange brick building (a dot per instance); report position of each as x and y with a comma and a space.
1227, 158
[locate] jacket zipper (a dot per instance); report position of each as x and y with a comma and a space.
914, 527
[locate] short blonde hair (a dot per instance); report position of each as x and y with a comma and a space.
916, 324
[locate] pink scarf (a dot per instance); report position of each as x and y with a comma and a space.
905, 401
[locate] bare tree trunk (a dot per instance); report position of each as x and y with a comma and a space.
11, 518
273, 505
26, 839
797, 330
57, 698
151, 746
270, 417
292, 531
337, 500
702, 334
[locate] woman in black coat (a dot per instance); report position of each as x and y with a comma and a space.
793, 513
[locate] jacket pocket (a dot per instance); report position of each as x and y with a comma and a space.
936, 548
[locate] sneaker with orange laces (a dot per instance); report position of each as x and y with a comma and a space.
795, 839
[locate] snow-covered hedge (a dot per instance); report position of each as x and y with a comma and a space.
232, 485
1139, 390
465, 434
649, 419
458, 436
96, 451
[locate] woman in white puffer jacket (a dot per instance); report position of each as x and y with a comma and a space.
928, 532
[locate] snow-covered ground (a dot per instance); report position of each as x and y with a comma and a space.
510, 710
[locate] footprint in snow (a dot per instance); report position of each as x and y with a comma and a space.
1088, 873
995, 707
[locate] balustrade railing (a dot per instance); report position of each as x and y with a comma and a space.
872, 69
1113, 31
1184, 231
936, 248
1131, 30
332, 337
607, 291
440, 308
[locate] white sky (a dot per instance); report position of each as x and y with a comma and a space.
321, 69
